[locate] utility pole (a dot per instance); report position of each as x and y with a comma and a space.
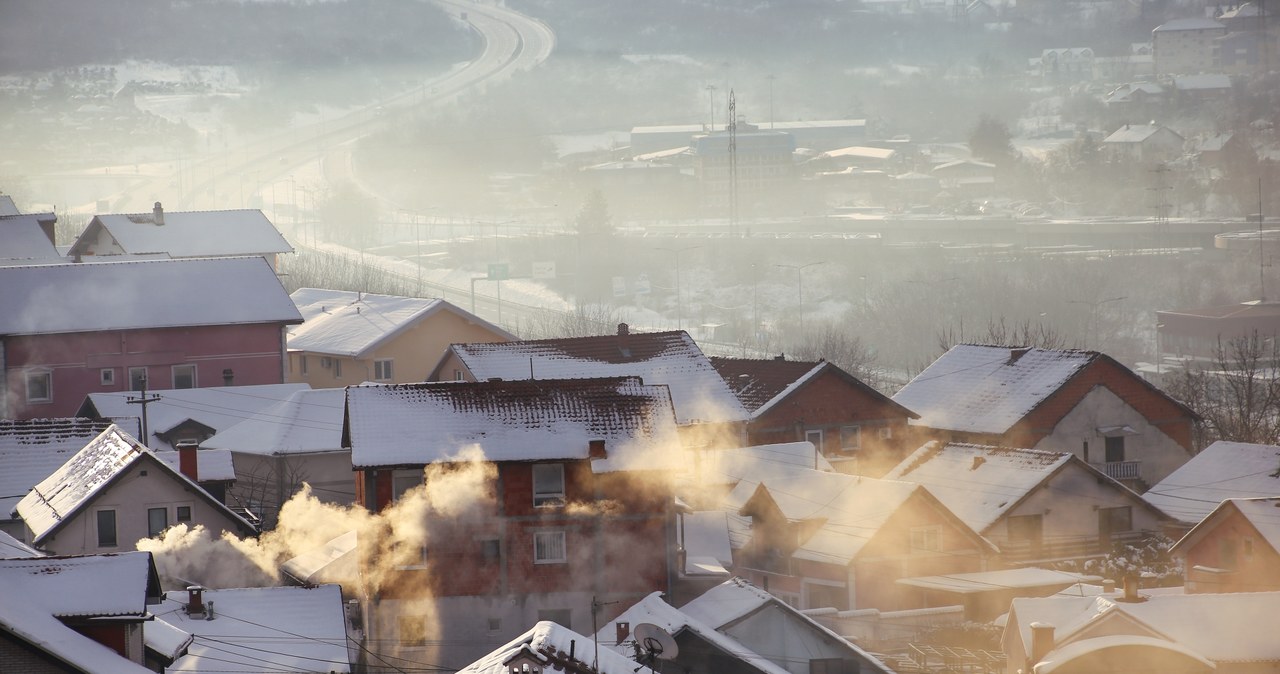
799, 286
711, 95
144, 401
733, 164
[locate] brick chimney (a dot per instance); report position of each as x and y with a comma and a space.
624, 329
596, 450
187, 461
195, 599
157, 214
1131, 595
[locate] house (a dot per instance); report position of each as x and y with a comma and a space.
1223, 633
349, 337
1185, 46
230, 233
1197, 333
84, 615
285, 445
830, 540
1138, 96
858, 428
1066, 64
27, 236
1221, 471
1143, 142
966, 177
185, 416
114, 492
1081, 402
572, 504
549, 647
68, 330
30, 451
762, 163
1032, 504
275, 629
736, 627
1191, 89
705, 406
1236, 548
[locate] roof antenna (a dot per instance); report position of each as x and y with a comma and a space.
531, 369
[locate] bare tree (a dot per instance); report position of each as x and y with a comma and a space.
1238, 393
1001, 331
839, 346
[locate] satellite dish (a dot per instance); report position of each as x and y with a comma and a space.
655, 642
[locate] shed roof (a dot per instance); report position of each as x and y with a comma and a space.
530, 420
140, 294
671, 358
188, 234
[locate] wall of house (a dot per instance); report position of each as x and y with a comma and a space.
254, 353
452, 369
17, 655
1069, 505
265, 483
144, 485
1258, 571
829, 404
787, 641
1157, 452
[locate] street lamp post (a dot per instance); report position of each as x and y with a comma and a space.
1093, 315
800, 286
676, 252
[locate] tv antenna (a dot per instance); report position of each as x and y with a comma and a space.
653, 643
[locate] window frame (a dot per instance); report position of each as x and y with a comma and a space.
163, 511
383, 369
337, 368
810, 433
114, 541
548, 499
856, 431
927, 538
47, 377
107, 376
177, 514
1111, 445
539, 556
173, 376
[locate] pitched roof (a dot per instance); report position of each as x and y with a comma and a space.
546, 637
217, 407
762, 384
21, 617
753, 464
1262, 513
531, 420
31, 450
7, 207
1220, 471
116, 584
342, 323
1133, 133
1027, 577
305, 422
11, 547
188, 234
212, 465
138, 294
988, 389
293, 629
979, 483
1193, 23
22, 237
671, 358
60, 496
1202, 81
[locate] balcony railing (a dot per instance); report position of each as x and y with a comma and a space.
1122, 470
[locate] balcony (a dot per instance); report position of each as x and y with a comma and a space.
1121, 470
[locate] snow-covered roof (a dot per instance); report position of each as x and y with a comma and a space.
988, 389
212, 465
1220, 627
1201, 81
861, 152
217, 407
1220, 471
31, 450
343, 323
548, 637
1264, 515
530, 420
755, 463
654, 611
7, 207
979, 483
11, 547
998, 581
22, 237
139, 294
116, 584
22, 617
1133, 133
704, 535
188, 234
308, 421
671, 358
958, 163
1125, 92
60, 496
292, 629
335, 559
1066, 655
1194, 23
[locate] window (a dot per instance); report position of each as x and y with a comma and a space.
490, 549
826, 596
850, 438
337, 369
815, 437
549, 547
457, 375
107, 376
413, 630
926, 538
1114, 520
302, 364
1115, 449
1026, 528
184, 514
548, 484
157, 521
404, 480
39, 387
184, 376
382, 370
559, 616
137, 378
495, 624
886, 433
106, 528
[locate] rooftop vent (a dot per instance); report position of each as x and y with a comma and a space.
157, 214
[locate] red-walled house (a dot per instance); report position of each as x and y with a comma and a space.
858, 428
68, 330
1082, 402
575, 507
1235, 549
